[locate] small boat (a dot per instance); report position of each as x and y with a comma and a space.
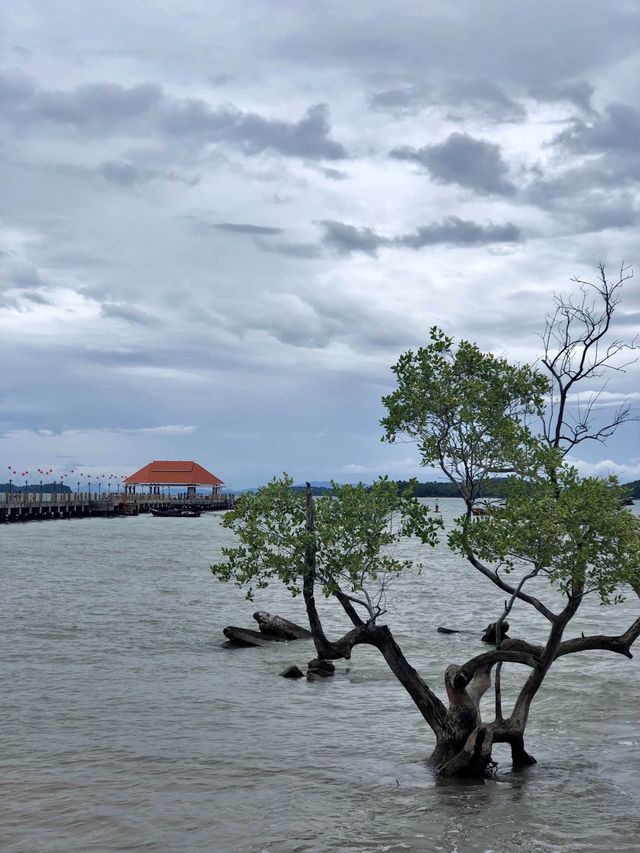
175, 513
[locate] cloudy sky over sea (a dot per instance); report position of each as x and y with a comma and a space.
222, 222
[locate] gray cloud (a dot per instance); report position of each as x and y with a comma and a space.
130, 314
242, 228
598, 190
16, 88
406, 100
346, 239
466, 98
460, 232
578, 92
303, 251
482, 98
126, 174
97, 107
504, 42
23, 277
145, 109
332, 174
618, 130
35, 297
317, 320
123, 173
461, 159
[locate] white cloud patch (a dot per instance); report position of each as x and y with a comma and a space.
626, 472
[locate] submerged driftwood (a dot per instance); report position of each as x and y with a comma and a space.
280, 627
246, 637
272, 629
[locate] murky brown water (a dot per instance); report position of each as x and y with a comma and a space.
126, 725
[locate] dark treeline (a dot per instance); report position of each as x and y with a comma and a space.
634, 488
496, 488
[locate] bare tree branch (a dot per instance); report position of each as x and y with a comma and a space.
575, 349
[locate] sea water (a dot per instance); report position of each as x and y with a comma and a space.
126, 725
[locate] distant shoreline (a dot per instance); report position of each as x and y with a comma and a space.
431, 489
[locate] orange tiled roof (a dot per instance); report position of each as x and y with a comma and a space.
170, 473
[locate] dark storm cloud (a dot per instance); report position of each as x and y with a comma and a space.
578, 92
479, 98
407, 100
342, 238
23, 277
126, 174
605, 213
460, 232
16, 88
596, 175
97, 107
524, 43
617, 130
146, 109
317, 320
597, 190
346, 239
123, 173
130, 314
242, 228
35, 297
303, 251
125, 357
332, 174
461, 159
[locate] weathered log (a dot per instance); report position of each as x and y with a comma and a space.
489, 635
292, 672
280, 627
247, 637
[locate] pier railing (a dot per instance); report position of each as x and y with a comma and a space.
23, 498
45, 504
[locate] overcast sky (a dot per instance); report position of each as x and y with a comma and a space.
222, 222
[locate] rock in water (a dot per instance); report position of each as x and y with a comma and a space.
280, 627
319, 668
442, 630
292, 672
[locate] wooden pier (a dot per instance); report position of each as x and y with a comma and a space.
34, 506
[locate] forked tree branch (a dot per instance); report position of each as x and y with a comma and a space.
505, 587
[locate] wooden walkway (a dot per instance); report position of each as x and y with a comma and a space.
32, 506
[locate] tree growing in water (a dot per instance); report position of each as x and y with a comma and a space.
475, 416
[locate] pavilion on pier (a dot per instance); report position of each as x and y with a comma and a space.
166, 473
